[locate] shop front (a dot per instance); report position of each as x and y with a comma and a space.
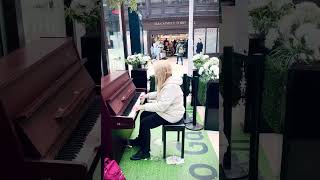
205, 28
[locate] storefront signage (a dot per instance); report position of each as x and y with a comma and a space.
170, 23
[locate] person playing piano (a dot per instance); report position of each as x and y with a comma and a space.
164, 107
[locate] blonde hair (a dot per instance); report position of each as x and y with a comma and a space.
162, 71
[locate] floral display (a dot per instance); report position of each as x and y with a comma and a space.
264, 17
199, 60
210, 69
137, 59
85, 12
296, 36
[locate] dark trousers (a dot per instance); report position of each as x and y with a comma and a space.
148, 120
181, 58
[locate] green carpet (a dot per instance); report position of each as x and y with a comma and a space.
200, 159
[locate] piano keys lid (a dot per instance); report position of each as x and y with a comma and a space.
38, 88
117, 91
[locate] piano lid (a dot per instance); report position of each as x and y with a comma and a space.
19, 61
27, 72
45, 93
117, 90
113, 82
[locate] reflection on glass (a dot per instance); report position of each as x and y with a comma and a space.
206, 1
114, 36
183, 1
211, 39
155, 2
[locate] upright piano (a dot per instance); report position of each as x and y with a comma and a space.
118, 116
49, 113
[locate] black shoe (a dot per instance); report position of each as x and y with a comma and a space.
133, 142
140, 155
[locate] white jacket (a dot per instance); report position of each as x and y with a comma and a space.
168, 103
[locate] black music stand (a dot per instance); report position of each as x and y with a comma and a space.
186, 92
194, 126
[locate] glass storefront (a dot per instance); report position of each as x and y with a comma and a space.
209, 38
114, 38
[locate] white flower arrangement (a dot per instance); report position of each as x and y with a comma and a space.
297, 35
210, 69
199, 60
137, 59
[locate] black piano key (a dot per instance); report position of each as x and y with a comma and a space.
131, 104
74, 144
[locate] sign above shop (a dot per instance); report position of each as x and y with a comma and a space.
178, 23
161, 23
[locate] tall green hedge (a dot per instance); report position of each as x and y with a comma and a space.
274, 95
202, 91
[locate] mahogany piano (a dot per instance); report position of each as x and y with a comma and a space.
49, 112
120, 96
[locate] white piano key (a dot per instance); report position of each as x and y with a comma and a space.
138, 102
90, 145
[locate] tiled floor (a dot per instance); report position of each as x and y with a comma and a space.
179, 69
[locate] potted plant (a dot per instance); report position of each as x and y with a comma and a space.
137, 60
88, 14
139, 71
208, 72
263, 19
293, 41
198, 61
85, 12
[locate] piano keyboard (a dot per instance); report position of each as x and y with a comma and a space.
89, 124
91, 144
129, 112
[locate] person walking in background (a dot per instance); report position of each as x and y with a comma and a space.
166, 44
174, 43
180, 52
156, 49
199, 47
185, 46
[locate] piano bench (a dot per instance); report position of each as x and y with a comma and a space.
173, 127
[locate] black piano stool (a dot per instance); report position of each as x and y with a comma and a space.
179, 126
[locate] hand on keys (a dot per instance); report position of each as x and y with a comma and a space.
142, 98
137, 108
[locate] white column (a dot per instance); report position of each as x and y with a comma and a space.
190, 38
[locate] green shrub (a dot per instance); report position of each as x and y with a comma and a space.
274, 95
202, 91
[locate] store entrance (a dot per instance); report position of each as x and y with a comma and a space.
165, 44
